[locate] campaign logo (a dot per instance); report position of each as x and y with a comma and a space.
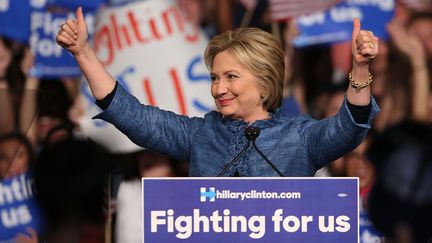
210, 194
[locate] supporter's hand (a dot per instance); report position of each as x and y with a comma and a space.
22, 238
407, 42
27, 61
76, 111
6, 57
73, 34
364, 44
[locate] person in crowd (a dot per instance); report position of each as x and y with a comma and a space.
16, 158
42, 105
400, 201
358, 165
7, 104
293, 100
420, 24
71, 176
52, 122
332, 99
128, 203
403, 71
16, 155
247, 71
413, 46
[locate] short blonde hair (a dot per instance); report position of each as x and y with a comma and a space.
260, 52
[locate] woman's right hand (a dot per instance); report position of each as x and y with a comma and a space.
73, 34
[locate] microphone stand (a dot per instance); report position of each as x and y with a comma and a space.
234, 160
252, 133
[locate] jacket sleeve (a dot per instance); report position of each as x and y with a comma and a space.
333, 137
150, 127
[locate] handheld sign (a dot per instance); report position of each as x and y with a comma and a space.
156, 54
17, 206
335, 24
15, 19
52, 61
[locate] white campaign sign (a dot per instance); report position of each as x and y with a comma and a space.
157, 55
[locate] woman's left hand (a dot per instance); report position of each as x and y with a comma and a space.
364, 44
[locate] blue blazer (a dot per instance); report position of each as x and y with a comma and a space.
297, 146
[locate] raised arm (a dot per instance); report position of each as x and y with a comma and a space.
409, 44
73, 36
28, 106
364, 45
6, 110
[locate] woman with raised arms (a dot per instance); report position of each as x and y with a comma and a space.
247, 71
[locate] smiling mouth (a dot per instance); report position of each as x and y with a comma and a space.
224, 102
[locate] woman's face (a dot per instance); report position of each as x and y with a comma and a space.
14, 159
235, 89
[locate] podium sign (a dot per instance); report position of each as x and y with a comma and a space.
250, 210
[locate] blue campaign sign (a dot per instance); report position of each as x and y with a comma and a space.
367, 231
52, 61
250, 210
15, 19
17, 207
335, 24
93, 4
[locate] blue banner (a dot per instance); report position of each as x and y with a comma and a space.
250, 210
15, 19
17, 207
52, 61
86, 4
335, 24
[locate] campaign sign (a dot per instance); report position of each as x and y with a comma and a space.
15, 19
367, 231
156, 54
335, 24
85, 4
52, 61
250, 210
17, 207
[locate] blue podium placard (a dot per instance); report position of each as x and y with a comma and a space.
250, 210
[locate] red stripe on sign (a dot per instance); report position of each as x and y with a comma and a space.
179, 91
148, 92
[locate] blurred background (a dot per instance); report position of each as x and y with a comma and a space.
67, 178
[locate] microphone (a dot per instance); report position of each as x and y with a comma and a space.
239, 155
251, 134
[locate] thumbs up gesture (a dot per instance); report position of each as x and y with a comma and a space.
364, 44
73, 34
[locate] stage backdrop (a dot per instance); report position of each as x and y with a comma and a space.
157, 55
